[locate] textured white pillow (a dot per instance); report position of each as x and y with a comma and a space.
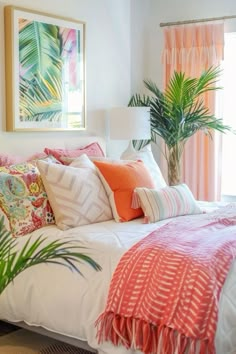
145, 154
82, 161
166, 202
76, 194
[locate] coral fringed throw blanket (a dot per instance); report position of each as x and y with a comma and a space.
164, 293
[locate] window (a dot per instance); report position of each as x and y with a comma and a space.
229, 116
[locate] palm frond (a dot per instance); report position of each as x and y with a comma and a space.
139, 144
179, 112
67, 253
180, 89
40, 98
208, 80
152, 87
138, 100
39, 47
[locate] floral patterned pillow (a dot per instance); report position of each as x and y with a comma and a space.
23, 199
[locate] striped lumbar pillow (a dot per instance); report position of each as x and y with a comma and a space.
159, 204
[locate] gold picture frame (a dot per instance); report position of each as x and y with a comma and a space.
45, 71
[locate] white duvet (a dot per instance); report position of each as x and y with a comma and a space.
62, 301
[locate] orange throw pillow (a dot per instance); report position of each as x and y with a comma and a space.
120, 180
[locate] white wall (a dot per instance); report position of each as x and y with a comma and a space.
107, 67
123, 47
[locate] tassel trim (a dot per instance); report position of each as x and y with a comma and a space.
137, 334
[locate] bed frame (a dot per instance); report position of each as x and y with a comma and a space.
40, 330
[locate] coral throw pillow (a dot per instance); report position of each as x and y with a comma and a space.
93, 149
167, 202
120, 180
23, 199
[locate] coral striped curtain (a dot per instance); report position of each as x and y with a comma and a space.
192, 49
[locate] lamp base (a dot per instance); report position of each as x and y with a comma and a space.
128, 152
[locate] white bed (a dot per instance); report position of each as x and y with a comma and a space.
58, 300
55, 301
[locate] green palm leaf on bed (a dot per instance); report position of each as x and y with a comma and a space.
63, 252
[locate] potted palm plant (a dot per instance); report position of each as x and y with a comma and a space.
178, 113
13, 262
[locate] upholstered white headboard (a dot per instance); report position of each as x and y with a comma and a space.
30, 143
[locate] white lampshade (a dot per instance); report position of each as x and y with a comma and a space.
130, 123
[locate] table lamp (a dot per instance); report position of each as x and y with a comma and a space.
129, 123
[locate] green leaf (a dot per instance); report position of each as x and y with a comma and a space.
64, 252
39, 47
179, 112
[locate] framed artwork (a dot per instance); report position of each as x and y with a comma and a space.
45, 71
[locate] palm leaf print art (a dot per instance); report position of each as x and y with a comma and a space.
48, 61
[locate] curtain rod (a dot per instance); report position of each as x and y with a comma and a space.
163, 24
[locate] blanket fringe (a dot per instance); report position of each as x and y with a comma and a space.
152, 339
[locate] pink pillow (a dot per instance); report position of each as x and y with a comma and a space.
7, 159
36, 156
93, 149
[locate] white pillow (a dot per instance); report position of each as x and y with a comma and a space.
76, 194
166, 202
82, 161
145, 154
